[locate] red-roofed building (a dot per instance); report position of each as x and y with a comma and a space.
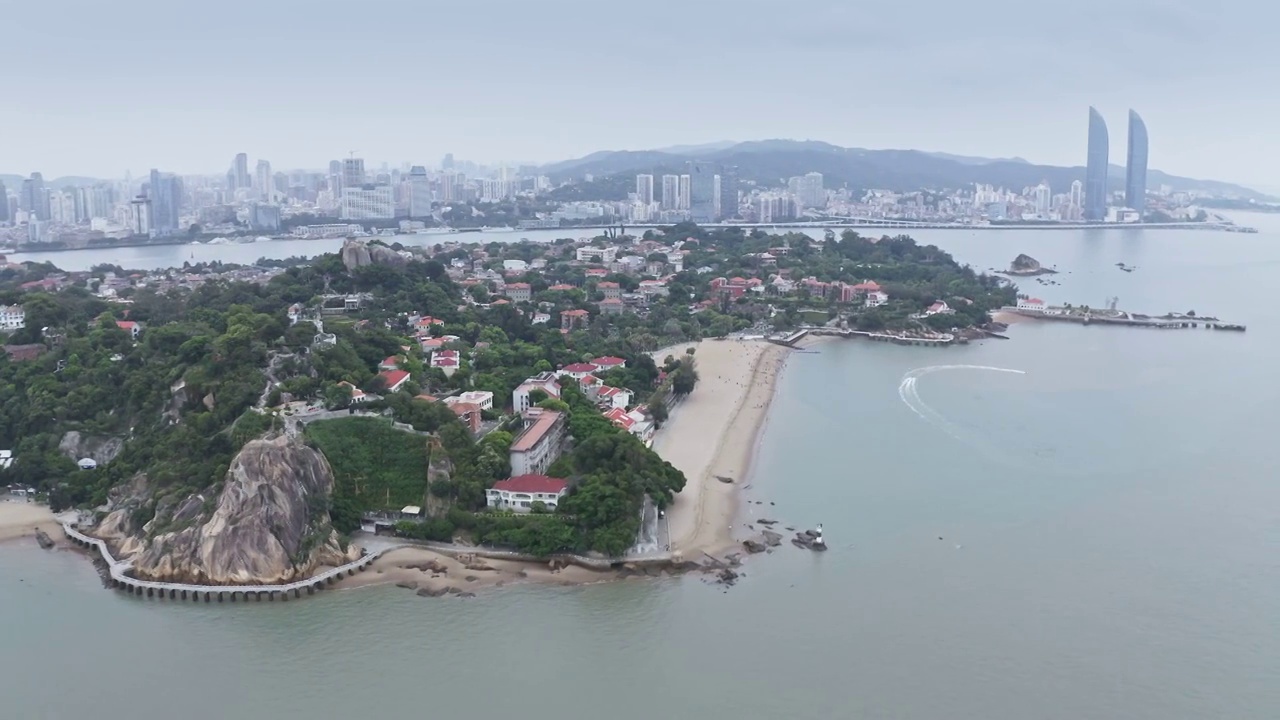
734, 288
611, 290
447, 360
573, 319
619, 417
577, 371
392, 362
596, 272
134, 329
393, 380
612, 306
540, 443
939, 308
423, 324
519, 292
616, 398
468, 413
866, 287
1031, 304
518, 493
357, 395
562, 288
604, 364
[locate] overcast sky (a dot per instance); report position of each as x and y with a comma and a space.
97, 88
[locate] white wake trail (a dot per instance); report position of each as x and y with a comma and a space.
909, 392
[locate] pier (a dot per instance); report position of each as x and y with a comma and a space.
1123, 318
941, 340
120, 579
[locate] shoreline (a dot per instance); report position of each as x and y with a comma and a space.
736, 384
20, 519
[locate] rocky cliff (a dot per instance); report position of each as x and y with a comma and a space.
357, 253
1026, 265
268, 524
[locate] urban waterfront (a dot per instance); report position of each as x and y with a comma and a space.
1093, 536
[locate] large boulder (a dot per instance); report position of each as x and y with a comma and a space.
269, 523
358, 253
101, 448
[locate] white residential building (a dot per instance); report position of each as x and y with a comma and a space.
368, 202
518, 493
546, 382
483, 398
600, 256
12, 317
540, 443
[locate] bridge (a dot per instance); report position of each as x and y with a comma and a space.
119, 578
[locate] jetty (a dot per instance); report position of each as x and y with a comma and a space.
119, 578
936, 340
1111, 316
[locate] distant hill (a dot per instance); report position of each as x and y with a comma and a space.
14, 182
770, 162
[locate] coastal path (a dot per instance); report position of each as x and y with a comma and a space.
119, 577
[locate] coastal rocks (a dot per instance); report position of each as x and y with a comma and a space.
1025, 266
754, 546
772, 539
357, 253
810, 540
267, 525
43, 539
102, 449
434, 592
725, 480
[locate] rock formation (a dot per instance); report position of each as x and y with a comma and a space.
1026, 265
358, 253
101, 448
268, 524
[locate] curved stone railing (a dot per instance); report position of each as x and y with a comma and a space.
119, 578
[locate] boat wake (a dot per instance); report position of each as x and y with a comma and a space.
910, 394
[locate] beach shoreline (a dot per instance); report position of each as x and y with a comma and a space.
713, 434
21, 518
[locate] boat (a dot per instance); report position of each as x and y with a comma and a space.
435, 231
499, 229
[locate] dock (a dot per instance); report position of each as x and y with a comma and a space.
940, 340
1170, 321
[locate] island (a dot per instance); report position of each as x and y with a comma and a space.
226, 427
1026, 266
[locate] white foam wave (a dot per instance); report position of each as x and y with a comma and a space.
909, 392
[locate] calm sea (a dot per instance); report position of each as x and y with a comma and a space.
1075, 523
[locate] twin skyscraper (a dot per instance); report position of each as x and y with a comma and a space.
1095, 176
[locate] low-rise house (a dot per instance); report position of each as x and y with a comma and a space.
447, 361
612, 306
618, 398
636, 422
392, 362
540, 442
608, 362
939, 308
611, 290
519, 292
295, 313
1034, 304
876, 298
546, 382
469, 413
12, 317
574, 319
133, 328
482, 398
577, 371
393, 380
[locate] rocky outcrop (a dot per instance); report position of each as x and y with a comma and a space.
357, 253
1026, 265
439, 471
101, 448
268, 524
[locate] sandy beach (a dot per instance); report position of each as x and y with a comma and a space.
19, 519
434, 573
1008, 318
712, 434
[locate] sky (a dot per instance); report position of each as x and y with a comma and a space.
97, 88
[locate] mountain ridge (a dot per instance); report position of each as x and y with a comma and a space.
770, 162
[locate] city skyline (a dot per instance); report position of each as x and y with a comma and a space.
215, 104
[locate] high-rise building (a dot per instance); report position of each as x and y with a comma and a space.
1044, 198
368, 202
353, 175
1135, 177
238, 176
728, 192
419, 192
1076, 201
140, 215
808, 190
447, 163
702, 191
263, 181
670, 192
1095, 174
164, 191
4, 204
685, 193
35, 197
448, 187
644, 189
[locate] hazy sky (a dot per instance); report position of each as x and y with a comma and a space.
96, 88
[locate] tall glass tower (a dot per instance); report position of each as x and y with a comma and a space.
1135, 178
1095, 174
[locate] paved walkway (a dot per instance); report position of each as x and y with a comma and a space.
120, 578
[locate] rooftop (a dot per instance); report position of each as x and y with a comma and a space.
541, 422
532, 484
